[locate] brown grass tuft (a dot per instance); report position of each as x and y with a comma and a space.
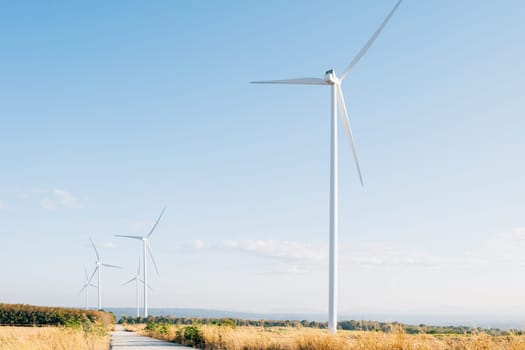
288, 338
51, 338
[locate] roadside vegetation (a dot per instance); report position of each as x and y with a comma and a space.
35, 327
226, 335
352, 325
51, 338
30, 315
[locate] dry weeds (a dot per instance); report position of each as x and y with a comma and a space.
255, 338
51, 338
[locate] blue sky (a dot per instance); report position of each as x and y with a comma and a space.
111, 110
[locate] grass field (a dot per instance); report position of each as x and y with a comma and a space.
52, 338
288, 338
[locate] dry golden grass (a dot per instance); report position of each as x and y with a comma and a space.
254, 338
51, 338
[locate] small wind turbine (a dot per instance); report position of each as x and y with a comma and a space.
87, 284
99, 268
338, 102
146, 249
137, 279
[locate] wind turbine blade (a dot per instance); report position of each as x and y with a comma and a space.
134, 237
152, 259
346, 122
299, 81
114, 266
156, 222
85, 286
93, 274
86, 274
149, 287
138, 271
93, 285
128, 282
96, 251
369, 42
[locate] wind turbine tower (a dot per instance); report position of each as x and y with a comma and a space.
338, 104
137, 279
87, 284
99, 265
146, 249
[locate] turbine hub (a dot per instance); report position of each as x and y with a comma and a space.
330, 77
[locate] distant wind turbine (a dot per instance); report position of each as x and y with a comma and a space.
99, 268
87, 284
338, 102
146, 249
137, 279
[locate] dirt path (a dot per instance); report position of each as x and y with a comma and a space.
122, 340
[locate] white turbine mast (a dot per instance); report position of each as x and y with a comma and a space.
87, 284
98, 268
146, 249
338, 103
137, 279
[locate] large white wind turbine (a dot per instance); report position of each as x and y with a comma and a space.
137, 279
146, 249
87, 284
338, 102
99, 268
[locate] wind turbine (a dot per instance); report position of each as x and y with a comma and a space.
87, 284
338, 102
99, 268
137, 279
146, 249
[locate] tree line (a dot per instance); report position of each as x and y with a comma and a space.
352, 325
30, 315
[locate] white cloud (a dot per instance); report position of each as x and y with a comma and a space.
503, 249
285, 256
378, 255
199, 245
278, 249
57, 198
108, 245
265, 248
300, 257
518, 233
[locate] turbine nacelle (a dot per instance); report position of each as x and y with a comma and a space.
331, 78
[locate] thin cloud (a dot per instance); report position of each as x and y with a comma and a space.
57, 198
503, 249
288, 250
199, 245
289, 257
300, 257
285, 257
382, 255
3, 205
108, 245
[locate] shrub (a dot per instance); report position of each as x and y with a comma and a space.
192, 335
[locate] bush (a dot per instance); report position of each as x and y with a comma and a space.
29, 315
192, 336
